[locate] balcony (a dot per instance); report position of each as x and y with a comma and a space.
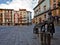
24, 19
8, 17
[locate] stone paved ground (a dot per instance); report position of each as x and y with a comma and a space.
17, 35
56, 39
23, 35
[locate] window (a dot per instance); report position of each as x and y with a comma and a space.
0, 14
39, 9
45, 8
6, 11
45, 16
36, 11
36, 22
24, 17
54, 5
10, 12
54, 0
39, 19
9, 20
20, 13
24, 12
36, 18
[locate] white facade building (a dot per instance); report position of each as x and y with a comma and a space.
29, 17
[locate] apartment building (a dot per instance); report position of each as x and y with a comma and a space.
41, 11
6, 16
1, 16
22, 16
55, 9
12, 17
16, 15
29, 17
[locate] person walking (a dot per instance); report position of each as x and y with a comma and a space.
51, 28
36, 31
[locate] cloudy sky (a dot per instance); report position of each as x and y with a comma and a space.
18, 4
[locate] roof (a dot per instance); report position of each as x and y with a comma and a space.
22, 9
6, 9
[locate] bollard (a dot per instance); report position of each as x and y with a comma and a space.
48, 39
41, 36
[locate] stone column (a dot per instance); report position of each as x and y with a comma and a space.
3, 18
12, 17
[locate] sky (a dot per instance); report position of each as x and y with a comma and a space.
18, 4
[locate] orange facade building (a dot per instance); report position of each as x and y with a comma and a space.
54, 5
55, 9
6, 16
1, 16
41, 10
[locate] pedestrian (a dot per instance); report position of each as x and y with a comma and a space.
43, 23
36, 31
51, 28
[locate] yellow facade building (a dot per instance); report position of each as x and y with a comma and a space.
22, 16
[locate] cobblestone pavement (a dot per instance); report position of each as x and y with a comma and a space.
23, 35
17, 35
56, 38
